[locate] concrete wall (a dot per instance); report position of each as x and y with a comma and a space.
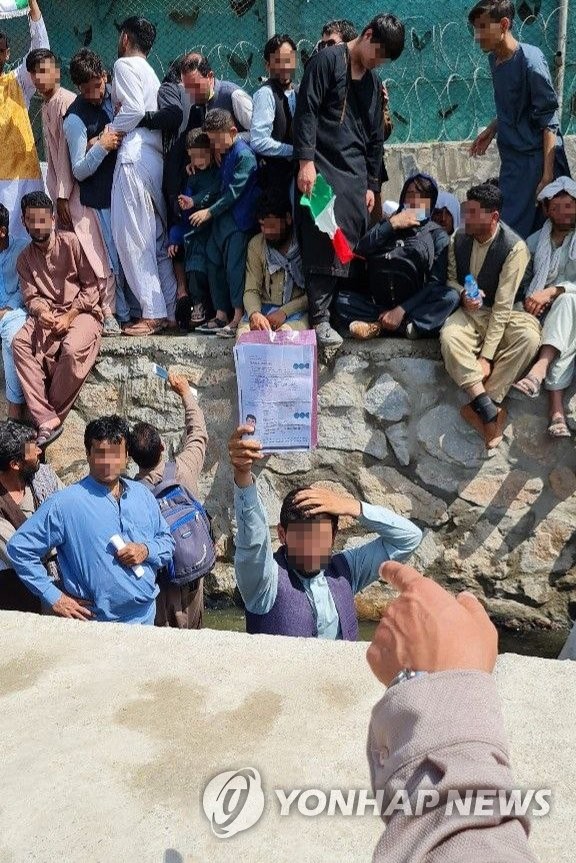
110, 734
390, 432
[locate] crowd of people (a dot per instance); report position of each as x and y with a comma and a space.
176, 204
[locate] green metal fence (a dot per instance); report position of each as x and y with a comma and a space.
439, 89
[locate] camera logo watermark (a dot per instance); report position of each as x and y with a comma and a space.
234, 801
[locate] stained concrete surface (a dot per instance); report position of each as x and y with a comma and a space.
110, 734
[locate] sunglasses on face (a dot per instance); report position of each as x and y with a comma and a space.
326, 44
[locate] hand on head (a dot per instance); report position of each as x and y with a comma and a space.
428, 629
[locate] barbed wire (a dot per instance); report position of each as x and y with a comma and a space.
440, 89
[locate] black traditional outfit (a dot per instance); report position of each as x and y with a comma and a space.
338, 126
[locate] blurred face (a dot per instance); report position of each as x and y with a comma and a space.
222, 141
94, 90
282, 64
29, 465
4, 54
39, 222
3, 237
198, 88
478, 222
308, 545
200, 159
123, 44
372, 54
414, 199
107, 461
561, 211
488, 33
443, 217
328, 39
276, 229
46, 77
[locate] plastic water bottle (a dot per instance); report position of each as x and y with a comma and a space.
471, 288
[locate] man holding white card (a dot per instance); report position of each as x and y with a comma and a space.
109, 536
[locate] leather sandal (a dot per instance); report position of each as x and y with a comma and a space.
146, 327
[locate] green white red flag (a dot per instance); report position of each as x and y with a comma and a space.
13, 8
321, 205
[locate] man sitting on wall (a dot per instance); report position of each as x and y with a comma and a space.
485, 344
274, 296
304, 589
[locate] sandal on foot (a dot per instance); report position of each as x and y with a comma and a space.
46, 436
529, 386
146, 327
228, 332
558, 428
212, 327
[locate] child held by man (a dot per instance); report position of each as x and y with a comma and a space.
233, 222
200, 190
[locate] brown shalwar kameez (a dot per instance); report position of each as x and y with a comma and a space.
51, 367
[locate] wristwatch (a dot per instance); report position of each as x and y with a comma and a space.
405, 674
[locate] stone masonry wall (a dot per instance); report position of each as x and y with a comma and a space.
390, 433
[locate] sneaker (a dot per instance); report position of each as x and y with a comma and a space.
111, 327
327, 337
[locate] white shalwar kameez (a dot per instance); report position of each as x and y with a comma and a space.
138, 212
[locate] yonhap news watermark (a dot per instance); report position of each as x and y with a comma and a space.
235, 800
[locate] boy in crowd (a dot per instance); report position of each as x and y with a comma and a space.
271, 135
407, 261
274, 295
12, 313
233, 221
550, 297
93, 149
527, 125
62, 186
178, 606
485, 343
199, 191
58, 345
338, 132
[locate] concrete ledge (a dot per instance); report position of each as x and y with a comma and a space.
110, 734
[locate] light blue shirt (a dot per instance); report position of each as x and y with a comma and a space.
78, 522
84, 164
257, 571
10, 296
263, 114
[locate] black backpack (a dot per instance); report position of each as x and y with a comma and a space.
189, 523
400, 271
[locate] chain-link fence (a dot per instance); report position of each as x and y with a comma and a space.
440, 89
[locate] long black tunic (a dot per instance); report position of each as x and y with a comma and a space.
338, 125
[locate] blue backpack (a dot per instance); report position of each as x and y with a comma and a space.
189, 523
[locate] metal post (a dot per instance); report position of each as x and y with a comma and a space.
560, 58
270, 17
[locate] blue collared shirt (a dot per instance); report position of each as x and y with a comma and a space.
263, 114
257, 571
79, 522
10, 296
